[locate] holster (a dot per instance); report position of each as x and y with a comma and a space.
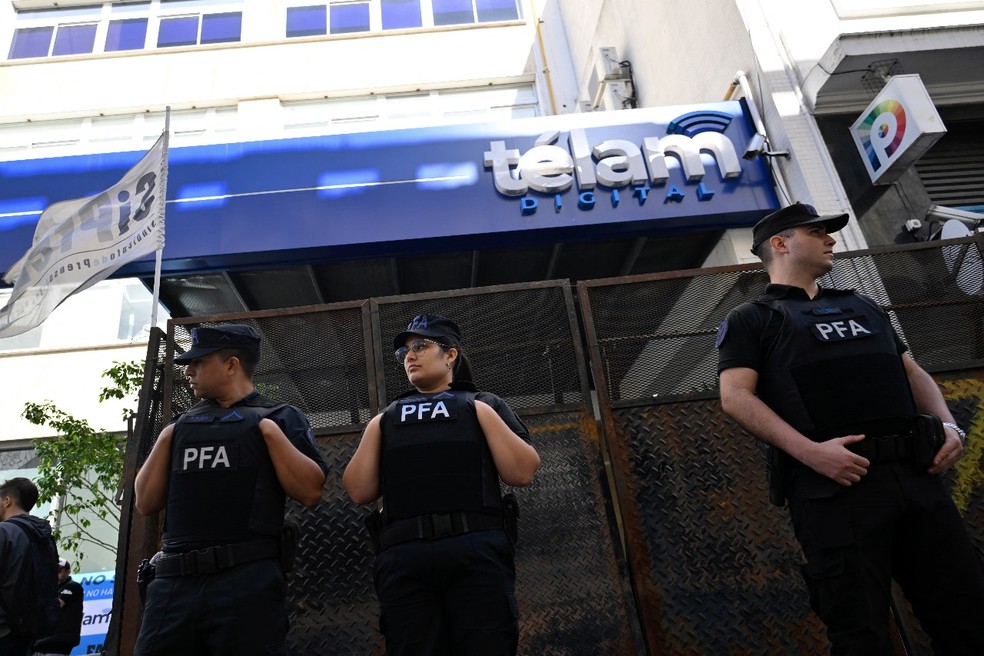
374, 524
289, 537
146, 572
928, 437
777, 474
511, 516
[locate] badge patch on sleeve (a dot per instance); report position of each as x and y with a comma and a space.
721, 334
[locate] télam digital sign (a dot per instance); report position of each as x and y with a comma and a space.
387, 193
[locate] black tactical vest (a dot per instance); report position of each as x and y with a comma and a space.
434, 457
223, 487
834, 368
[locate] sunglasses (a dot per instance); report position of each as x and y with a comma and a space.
417, 346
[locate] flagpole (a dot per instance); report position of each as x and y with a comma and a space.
160, 251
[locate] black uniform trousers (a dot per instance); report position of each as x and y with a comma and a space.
240, 611
898, 523
450, 596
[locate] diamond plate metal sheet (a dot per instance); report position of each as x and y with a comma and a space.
720, 565
714, 566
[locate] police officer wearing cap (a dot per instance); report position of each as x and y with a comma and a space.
862, 434
444, 569
222, 471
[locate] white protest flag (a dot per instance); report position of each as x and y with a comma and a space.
79, 242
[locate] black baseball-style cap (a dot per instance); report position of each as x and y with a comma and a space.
794, 215
430, 325
210, 340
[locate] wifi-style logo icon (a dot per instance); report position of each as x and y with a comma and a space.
701, 121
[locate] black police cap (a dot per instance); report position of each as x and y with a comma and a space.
430, 325
796, 214
209, 340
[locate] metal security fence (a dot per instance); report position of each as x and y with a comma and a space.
648, 528
715, 566
336, 364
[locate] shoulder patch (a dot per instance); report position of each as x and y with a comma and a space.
722, 332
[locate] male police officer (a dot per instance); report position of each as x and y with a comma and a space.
221, 470
821, 375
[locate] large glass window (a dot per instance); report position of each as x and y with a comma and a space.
398, 14
126, 34
31, 42
496, 10
453, 12
74, 39
178, 31
222, 28
347, 17
307, 21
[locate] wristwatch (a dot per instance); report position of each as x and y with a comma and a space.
956, 429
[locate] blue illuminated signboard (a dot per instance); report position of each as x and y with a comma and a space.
291, 201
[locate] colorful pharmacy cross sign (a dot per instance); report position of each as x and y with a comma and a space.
598, 175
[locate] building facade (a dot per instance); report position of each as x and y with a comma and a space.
83, 82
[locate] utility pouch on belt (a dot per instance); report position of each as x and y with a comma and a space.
777, 474
374, 524
927, 439
289, 536
146, 572
511, 516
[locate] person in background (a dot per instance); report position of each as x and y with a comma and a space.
20, 533
864, 433
444, 569
222, 470
69, 631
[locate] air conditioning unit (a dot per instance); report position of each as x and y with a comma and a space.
606, 68
615, 95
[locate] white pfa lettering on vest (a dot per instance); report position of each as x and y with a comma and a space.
840, 330
424, 411
206, 457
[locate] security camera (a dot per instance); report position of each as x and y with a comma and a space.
755, 147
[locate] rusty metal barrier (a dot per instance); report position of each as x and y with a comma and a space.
715, 566
335, 363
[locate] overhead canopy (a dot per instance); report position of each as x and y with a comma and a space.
260, 225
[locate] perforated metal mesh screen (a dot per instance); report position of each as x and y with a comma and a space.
518, 340
656, 339
716, 566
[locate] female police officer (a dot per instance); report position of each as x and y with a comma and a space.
444, 571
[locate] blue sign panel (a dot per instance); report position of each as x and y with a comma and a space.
558, 178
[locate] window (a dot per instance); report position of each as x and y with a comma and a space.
69, 40
222, 28
126, 34
349, 17
458, 12
31, 42
215, 28
399, 14
178, 31
74, 39
307, 21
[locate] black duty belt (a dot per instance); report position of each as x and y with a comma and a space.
435, 526
885, 448
214, 559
